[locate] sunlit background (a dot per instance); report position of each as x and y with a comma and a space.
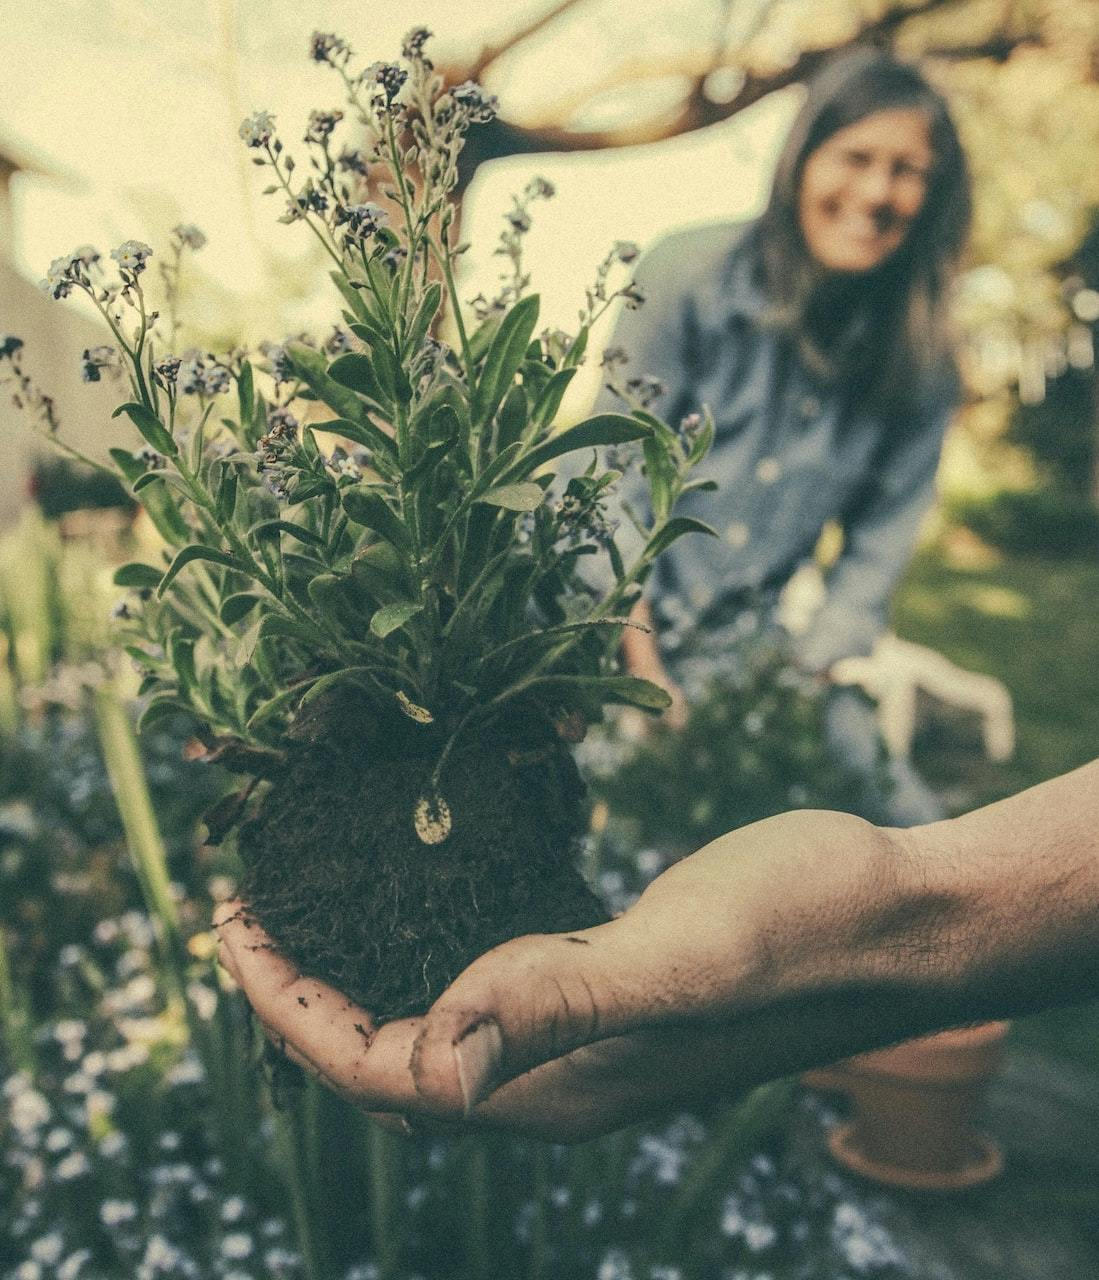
120, 119
132, 111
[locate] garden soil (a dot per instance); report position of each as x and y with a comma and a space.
336, 874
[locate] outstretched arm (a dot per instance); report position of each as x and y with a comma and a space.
790, 943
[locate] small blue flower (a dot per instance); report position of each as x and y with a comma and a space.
258, 129
131, 256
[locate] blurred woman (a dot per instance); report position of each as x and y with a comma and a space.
817, 336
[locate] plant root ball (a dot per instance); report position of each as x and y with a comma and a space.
335, 872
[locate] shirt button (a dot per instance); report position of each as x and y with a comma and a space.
737, 534
809, 407
768, 470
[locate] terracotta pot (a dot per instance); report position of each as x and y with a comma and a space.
915, 1110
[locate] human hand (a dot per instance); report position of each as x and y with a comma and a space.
568, 1036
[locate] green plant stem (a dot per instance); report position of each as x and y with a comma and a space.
383, 1158
734, 1140
443, 259
143, 839
478, 1252
18, 1040
284, 183
291, 1143
538, 1230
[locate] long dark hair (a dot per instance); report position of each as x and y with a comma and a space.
895, 335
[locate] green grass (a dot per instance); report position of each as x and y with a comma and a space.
1034, 624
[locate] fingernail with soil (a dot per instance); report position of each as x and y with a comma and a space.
477, 1056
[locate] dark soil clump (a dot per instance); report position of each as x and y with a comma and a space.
336, 873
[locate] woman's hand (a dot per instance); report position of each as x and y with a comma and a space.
568, 1036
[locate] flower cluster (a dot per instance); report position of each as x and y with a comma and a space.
167, 371
478, 106
321, 126
326, 46
187, 234
383, 81
360, 221
131, 256
95, 360
24, 391
645, 390
582, 514
72, 271
258, 129
412, 46
202, 375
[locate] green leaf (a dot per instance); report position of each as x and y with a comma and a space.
157, 501
352, 296
160, 707
150, 477
604, 428
142, 658
196, 551
226, 499
700, 486
578, 349
425, 314
269, 528
235, 607
545, 410
626, 690
504, 357
515, 497
335, 677
197, 445
495, 469
380, 571
137, 575
676, 529
392, 616
365, 505
181, 654
356, 371
245, 392
660, 474
150, 427
364, 432
512, 419
279, 702
130, 466
309, 365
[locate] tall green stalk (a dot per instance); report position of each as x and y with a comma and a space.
218, 1045
383, 1157
478, 1250
292, 1143
143, 838
735, 1138
13, 1018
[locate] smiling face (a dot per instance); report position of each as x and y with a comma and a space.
862, 188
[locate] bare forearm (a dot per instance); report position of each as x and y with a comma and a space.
862, 937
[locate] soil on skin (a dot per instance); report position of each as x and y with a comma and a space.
335, 872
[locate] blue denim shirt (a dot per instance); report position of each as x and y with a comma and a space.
789, 454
